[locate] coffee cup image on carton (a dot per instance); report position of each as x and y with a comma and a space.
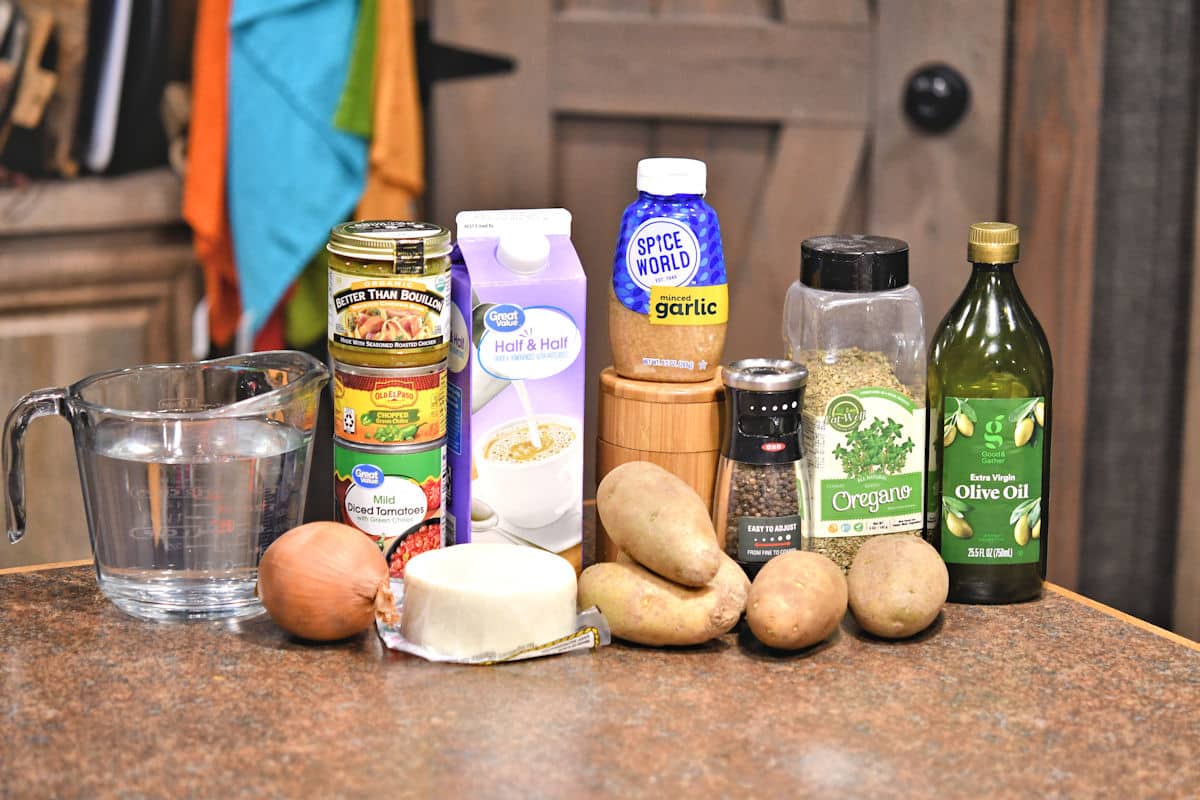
531, 484
516, 394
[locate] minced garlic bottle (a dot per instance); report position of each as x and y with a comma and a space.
669, 302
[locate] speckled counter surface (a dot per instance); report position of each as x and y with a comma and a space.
1052, 698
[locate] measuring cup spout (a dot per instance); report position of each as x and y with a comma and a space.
271, 381
40, 403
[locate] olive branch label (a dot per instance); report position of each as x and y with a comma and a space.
955, 506
1027, 418
1026, 520
962, 421
956, 517
1031, 508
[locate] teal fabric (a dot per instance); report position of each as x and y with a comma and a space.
291, 174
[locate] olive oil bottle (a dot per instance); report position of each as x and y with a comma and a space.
990, 379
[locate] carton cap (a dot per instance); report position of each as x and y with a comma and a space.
523, 252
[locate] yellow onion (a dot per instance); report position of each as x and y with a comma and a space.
325, 581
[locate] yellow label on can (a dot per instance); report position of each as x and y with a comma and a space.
389, 314
689, 305
392, 409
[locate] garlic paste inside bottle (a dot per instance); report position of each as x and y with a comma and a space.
669, 303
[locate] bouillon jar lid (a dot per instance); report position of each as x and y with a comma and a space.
389, 239
854, 263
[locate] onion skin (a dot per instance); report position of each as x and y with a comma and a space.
325, 581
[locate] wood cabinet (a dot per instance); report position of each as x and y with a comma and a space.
95, 274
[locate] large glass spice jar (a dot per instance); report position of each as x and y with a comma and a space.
760, 496
859, 327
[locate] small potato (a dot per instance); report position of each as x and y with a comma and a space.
645, 608
797, 600
660, 521
898, 584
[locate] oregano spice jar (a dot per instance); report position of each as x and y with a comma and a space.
857, 324
760, 497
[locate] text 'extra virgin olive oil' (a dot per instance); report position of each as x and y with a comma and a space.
990, 377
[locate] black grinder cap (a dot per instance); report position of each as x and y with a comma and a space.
854, 263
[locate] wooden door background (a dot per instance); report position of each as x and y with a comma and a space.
796, 106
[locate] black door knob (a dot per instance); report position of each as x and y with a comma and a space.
936, 98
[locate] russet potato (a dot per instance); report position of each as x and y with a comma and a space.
643, 607
797, 600
660, 521
898, 585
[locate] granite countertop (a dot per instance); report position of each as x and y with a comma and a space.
1051, 698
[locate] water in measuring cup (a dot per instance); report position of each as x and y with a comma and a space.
181, 512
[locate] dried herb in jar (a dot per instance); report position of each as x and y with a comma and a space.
857, 324
860, 449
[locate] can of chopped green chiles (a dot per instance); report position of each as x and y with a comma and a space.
389, 406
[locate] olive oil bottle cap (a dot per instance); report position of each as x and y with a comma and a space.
994, 243
854, 263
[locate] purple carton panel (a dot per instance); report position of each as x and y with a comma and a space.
516, 361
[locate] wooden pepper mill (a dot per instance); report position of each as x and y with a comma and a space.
674, 425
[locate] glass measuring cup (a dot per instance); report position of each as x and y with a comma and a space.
189, 472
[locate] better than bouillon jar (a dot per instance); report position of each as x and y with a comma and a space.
758, 504
389, 293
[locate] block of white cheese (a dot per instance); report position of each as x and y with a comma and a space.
473, 599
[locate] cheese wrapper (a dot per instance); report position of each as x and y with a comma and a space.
591, 632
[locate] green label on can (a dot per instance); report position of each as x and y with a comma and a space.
386, 495
991, 474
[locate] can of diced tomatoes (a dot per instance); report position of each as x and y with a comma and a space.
393, 495
389, 406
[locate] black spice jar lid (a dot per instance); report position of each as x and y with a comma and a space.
854, 263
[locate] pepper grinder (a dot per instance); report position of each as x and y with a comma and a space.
761, 492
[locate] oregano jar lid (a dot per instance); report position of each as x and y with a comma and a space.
854, 263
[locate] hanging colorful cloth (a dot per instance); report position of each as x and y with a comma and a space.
292, 174
396, 171
204, 183
380, 101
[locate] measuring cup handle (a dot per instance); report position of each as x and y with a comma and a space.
40, 403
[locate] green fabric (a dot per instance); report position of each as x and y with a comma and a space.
356, 108
304, 315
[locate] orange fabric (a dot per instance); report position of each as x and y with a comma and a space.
204, 185
396, 164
